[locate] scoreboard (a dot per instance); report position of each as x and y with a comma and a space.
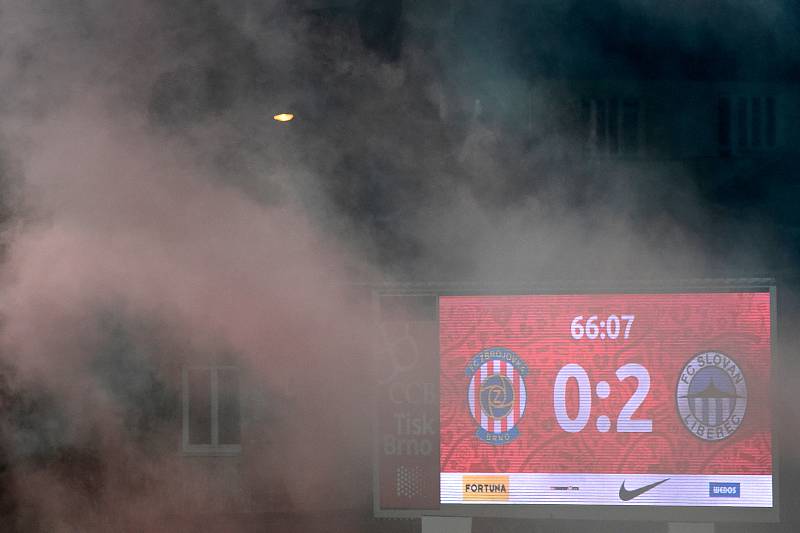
629, 404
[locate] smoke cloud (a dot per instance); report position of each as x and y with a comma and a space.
155, 218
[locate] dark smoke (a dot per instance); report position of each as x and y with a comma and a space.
155, 217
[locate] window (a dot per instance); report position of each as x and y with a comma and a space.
211, 410
746, 124
611, 126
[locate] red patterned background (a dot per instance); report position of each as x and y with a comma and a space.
667, 331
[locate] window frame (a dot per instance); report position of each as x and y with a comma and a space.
750, 122
605, 129
214, 448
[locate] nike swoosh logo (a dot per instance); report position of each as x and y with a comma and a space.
626, 495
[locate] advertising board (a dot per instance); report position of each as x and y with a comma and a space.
406, 405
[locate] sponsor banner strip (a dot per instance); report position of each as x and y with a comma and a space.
608, 489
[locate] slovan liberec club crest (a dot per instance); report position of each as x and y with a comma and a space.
497, 394
711, 396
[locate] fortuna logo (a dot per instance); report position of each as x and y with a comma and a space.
478, 488
496, 394
711, 396
485, 487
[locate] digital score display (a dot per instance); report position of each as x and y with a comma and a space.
657, 399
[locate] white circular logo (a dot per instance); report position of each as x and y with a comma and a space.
711, 396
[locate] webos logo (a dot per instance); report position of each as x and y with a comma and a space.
484, 488
718, 489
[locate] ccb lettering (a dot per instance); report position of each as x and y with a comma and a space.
414, 393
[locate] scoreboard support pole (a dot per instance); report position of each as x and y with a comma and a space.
446, 524
685, 527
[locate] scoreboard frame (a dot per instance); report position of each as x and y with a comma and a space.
665, 513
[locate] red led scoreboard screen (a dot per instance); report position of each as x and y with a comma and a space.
656, 399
